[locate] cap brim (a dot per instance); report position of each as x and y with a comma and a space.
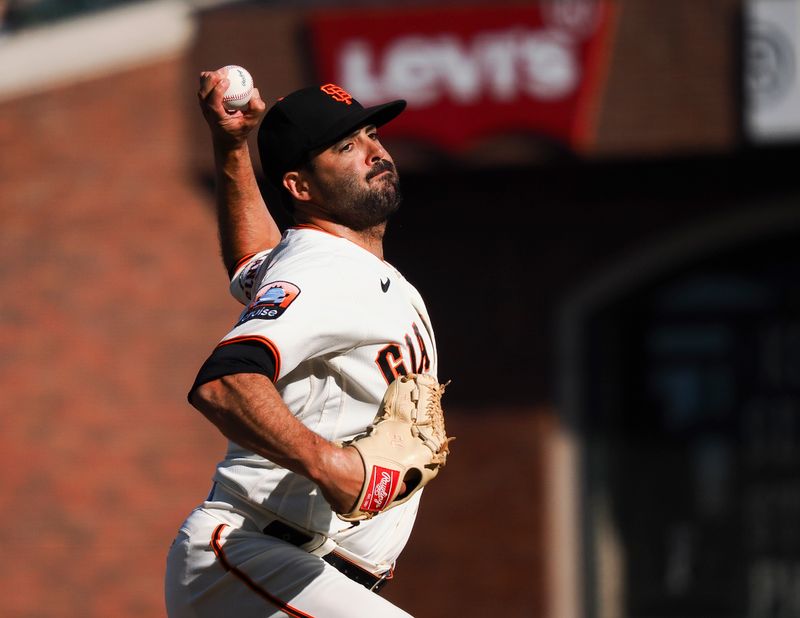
378, 115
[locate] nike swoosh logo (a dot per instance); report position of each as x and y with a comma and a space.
385, 284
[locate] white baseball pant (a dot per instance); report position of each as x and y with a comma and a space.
221, 564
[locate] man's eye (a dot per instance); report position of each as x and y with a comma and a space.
346, 147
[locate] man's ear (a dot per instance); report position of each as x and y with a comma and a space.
297, 184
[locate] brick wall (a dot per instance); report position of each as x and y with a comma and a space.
112, 296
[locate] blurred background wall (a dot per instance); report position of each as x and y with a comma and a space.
601, 210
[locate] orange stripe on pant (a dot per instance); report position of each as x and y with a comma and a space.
218, 551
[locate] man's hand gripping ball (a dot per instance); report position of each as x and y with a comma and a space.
406, 444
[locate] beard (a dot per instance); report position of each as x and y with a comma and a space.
359, 207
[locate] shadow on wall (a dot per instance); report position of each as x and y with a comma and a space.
679, 374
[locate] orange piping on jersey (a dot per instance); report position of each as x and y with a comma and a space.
241, 261
263, 341
310, 226
223, 560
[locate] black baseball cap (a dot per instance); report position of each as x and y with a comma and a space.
309, 119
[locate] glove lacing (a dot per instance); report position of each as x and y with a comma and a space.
435, 420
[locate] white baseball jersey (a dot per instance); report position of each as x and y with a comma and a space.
341, 324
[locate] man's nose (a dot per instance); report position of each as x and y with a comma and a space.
375, 152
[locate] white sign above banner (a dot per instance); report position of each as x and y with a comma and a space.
772, 70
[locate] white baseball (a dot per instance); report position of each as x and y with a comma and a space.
240, 89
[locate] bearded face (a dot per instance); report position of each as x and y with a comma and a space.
362, 204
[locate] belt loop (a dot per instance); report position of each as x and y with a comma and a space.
376, 587
357, 573
324, 548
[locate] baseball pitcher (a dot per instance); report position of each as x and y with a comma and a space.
326, 383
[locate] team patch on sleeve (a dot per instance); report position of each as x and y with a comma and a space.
247, 277
271, 300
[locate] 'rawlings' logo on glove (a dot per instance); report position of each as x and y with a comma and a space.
380, 488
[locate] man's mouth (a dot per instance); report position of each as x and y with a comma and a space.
379, 169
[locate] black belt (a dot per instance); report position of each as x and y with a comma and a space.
282, 531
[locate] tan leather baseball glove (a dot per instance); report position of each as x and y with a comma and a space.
406, 443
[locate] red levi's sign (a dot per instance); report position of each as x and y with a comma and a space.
473, 72
381, 488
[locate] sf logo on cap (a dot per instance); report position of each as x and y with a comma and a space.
338, 93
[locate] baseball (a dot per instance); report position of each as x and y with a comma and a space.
240, 89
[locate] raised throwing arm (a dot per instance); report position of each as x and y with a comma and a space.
245, 224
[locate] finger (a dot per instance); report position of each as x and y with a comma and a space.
214, 98
256, 103
209, 80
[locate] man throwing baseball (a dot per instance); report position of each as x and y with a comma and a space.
315, 497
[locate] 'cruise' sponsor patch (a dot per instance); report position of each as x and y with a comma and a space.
271, 300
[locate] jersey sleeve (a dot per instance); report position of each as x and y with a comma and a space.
243, 275
238, 355
296, 312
